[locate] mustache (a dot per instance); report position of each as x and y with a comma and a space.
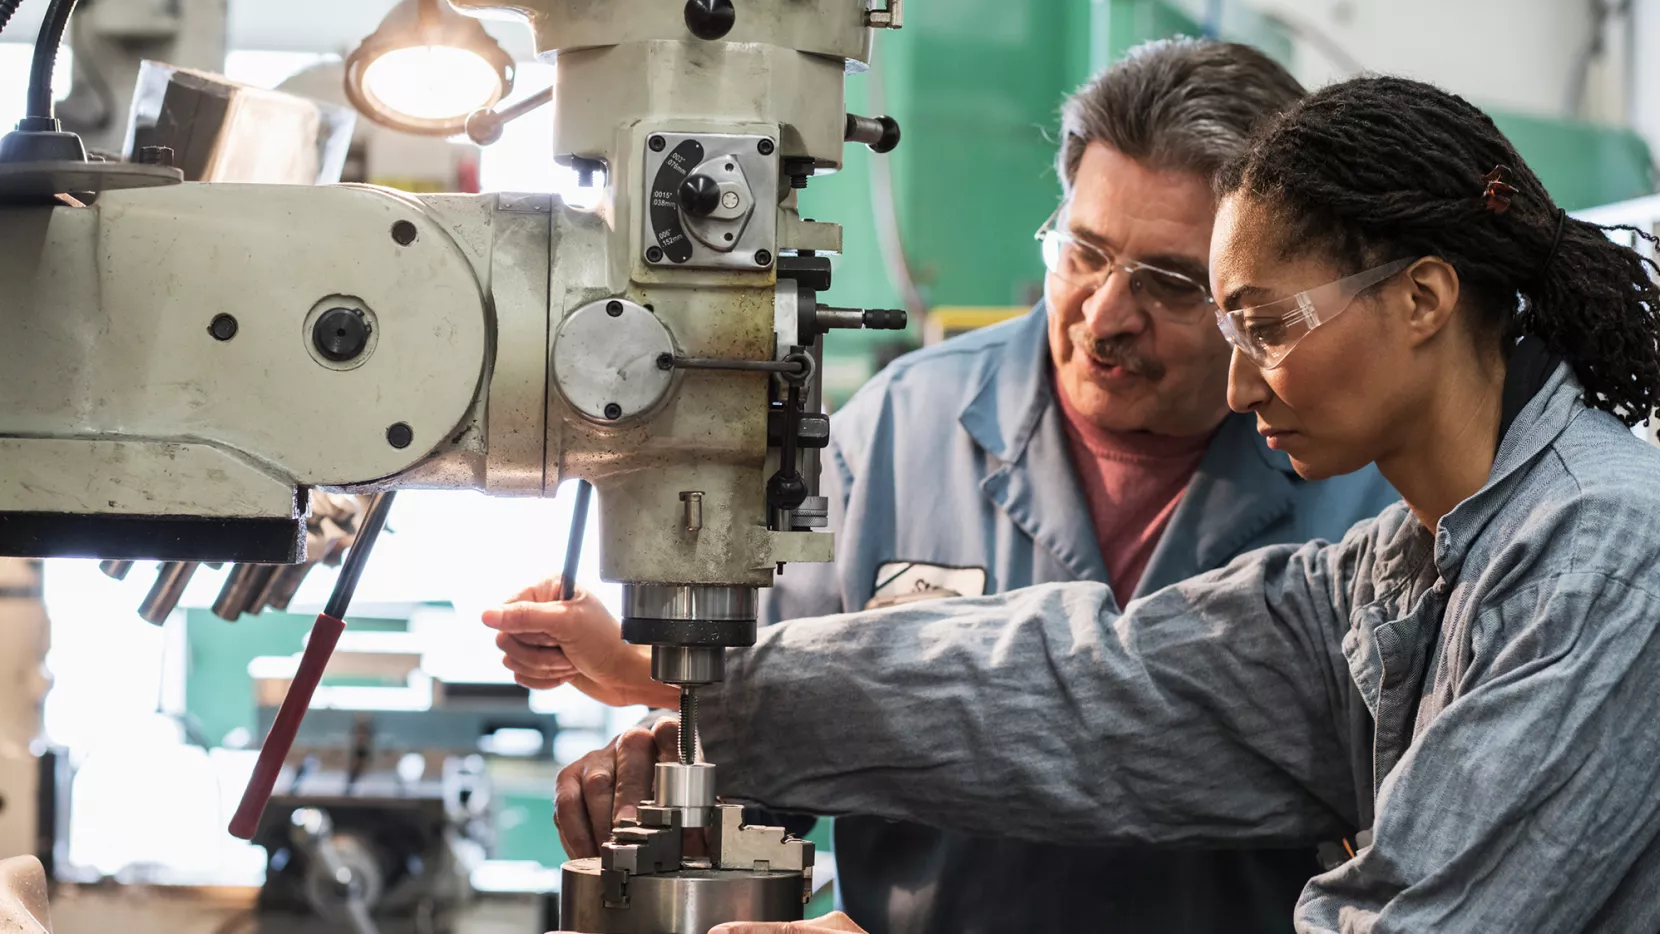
1115, 351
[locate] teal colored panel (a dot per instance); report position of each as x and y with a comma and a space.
218, 694
525, 830
1582, 165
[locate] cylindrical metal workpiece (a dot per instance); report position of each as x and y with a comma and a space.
165, 593
685, 786
116, 569
688, 664
689, 901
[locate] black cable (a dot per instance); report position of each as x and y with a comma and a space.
46, 58
573, 545
7, 8
352, 568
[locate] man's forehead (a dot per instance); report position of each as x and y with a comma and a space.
1124, 204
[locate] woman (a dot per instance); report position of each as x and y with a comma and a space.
1463, 689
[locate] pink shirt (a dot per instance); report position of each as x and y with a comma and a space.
1133, 482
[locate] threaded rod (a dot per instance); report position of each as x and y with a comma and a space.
688, 725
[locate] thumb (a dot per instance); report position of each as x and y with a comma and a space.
548, 618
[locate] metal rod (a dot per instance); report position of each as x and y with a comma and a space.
352, 568
164, 595
325, 633
789, 367
573, 544
116, 569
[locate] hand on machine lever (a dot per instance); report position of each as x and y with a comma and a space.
547, 642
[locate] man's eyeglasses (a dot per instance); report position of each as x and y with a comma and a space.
1086, 266
1267, 333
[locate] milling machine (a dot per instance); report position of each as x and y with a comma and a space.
184, 363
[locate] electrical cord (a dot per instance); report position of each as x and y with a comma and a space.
39, 104
7, 8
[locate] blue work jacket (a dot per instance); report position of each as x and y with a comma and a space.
950, 473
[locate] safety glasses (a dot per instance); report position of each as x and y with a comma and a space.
1086, 266
1267, 333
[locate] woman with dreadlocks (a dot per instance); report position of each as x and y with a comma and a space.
1463, 690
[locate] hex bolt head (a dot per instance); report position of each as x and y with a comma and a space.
222, 327
340, 334
656, 143
765, 147
613, 411
654, 255
399, 435
404, 233
763, 257
613, 308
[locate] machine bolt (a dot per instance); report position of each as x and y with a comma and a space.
654, 255
613, 308
222, 327
613, 411
656, 143
400, 435
403, 232
765, 147
763, 257
729, 200
155, 155
340, 334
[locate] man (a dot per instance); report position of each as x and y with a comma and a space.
1088, 440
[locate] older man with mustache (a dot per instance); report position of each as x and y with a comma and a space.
1088, 440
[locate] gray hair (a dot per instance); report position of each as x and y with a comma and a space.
1175, 105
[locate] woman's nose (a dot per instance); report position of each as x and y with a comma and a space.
1247, 390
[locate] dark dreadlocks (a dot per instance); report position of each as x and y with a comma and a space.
1375, 169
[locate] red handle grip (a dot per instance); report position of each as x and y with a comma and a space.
325, 633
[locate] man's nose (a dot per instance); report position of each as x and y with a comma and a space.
1112, 310
1247, 390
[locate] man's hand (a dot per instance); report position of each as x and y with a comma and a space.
548, 642
609, 783
833, 923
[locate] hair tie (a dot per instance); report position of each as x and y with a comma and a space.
1556, 241
1496, 196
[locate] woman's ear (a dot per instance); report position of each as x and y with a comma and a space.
1431, 295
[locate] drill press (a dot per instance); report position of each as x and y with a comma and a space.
177, 375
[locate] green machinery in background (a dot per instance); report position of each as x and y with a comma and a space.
976, 86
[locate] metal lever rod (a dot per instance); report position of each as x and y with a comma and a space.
484, 126
325, 633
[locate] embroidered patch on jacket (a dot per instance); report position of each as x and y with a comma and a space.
905, 581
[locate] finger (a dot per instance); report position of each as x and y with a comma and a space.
666, 732
598, 787
780, 927
537, 671
570, 815
636, 765
540, 684
529, 653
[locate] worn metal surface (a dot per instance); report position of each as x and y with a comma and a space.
689, 901
605, 360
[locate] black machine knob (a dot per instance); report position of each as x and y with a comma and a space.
884, 319
340, 334
699, 195
881, 134
710, 19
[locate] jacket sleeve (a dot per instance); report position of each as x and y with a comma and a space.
1204, 712
814, 589
1529, 799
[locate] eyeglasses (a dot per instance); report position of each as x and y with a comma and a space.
1267, 333
1087, 266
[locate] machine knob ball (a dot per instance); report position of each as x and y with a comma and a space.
699, 195
340, 334
710, 19
786, 490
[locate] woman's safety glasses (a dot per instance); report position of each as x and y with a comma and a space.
1087, 266
1267, 333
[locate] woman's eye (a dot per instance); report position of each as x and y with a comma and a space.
1267, 331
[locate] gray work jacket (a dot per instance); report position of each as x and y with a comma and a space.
951, 471
1484, 697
